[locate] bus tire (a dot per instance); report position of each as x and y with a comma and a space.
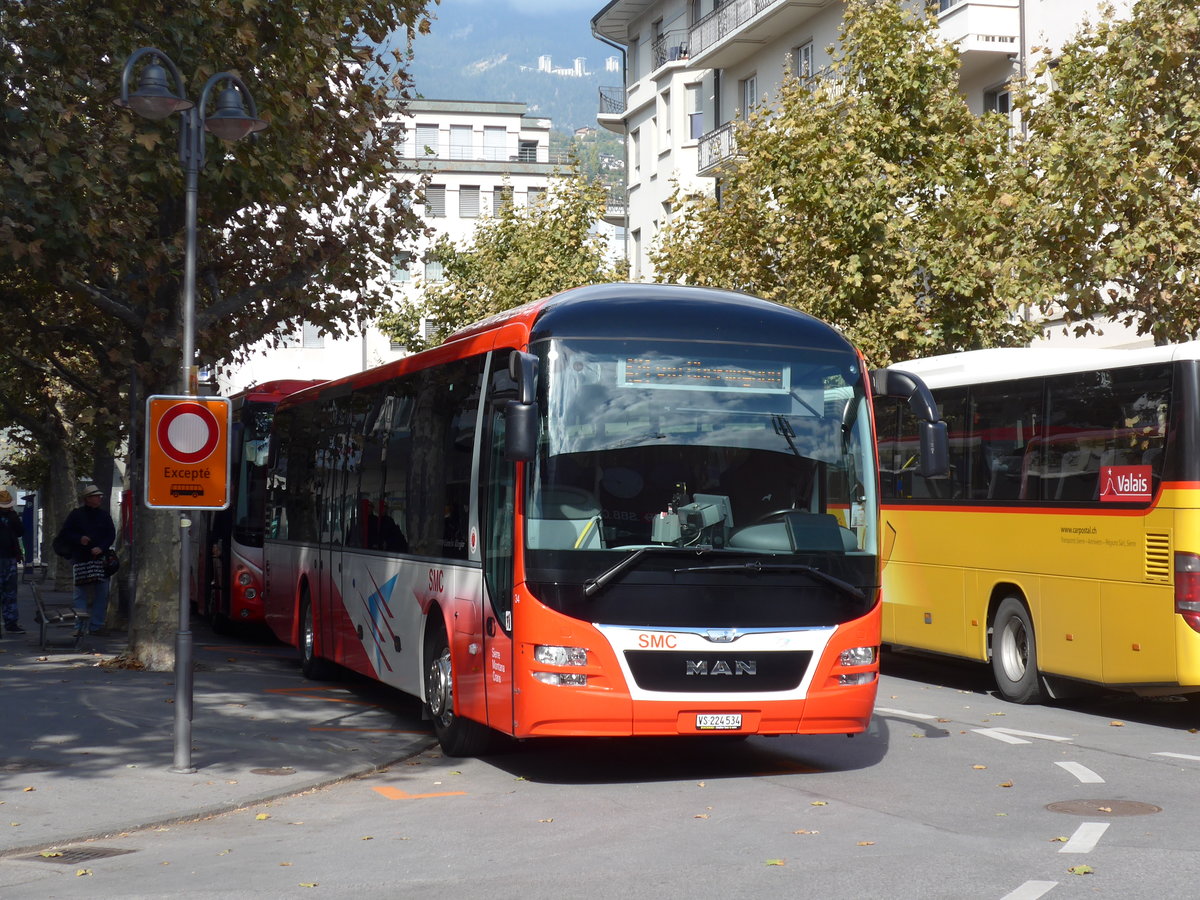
1014, 653
311, 665
458, 736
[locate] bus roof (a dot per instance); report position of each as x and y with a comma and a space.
274, 390
1013, 363
619, 310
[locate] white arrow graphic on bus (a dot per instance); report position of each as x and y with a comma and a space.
1012, 736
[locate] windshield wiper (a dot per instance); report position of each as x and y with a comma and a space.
593, 585
756, 567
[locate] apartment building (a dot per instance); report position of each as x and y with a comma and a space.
695, 67
477, 156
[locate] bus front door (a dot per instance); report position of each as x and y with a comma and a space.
498, 493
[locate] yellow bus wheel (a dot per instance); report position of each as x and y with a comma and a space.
1014, 653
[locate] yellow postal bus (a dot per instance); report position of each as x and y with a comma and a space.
1064, 545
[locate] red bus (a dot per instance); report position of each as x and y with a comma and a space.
229, 542
622, 510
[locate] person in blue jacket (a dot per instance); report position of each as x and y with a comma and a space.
89, 529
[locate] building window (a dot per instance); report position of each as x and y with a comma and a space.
664, 121
435, 201
495, 143
501, 197
802, 61
427, 140
749, 94
400, 270
434, 270
428, 327
311, 337
635, 152
535, 195
695, 116
527, 151
460, 141
395, 346
468, 201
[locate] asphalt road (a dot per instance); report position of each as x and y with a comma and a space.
953, 794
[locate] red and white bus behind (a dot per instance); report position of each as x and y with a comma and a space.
622, 510
229, 542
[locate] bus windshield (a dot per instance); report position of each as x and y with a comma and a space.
718, 450
250, 469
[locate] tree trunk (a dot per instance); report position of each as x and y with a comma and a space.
155, 613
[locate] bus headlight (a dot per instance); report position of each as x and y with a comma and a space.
550, 655
558, 678
858, 656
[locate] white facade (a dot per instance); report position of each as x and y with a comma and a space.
693, 67
476, 154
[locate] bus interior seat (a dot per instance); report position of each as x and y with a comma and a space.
564, 518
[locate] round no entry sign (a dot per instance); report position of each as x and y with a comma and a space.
187, 452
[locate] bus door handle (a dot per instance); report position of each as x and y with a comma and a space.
491, 626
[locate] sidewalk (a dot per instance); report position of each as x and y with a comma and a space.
86, 749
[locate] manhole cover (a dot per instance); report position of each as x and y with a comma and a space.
283, 770
1103, 808
73, 855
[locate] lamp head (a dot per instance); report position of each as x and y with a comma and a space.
230, 121
154, 98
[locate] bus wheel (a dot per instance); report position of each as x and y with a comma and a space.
458, 736
1014, 653
311, 665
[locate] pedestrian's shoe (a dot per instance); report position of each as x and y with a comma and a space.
14, 629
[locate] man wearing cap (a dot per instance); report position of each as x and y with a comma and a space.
11, 532
90, 530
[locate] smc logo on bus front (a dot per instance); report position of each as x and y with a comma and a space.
437, 580
657, 641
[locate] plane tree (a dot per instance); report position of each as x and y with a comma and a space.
871, 196
298, 224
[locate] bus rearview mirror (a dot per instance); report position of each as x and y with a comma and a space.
935, 449
520, 430
523, 369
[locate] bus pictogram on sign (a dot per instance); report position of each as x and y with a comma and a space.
187, 452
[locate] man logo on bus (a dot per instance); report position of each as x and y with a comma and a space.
1123, 484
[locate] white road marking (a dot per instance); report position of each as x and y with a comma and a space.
1177, 755
1012, 736
1085, 838
1031, 890
903, 713
1082, 772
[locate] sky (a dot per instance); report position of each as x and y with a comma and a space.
586, 8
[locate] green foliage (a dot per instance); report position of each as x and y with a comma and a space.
872, 198
297, 223
518, 255
1113, 160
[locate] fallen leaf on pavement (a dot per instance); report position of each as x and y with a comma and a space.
1005, 784
866, 843
775, 862
1115, 723
1081, 870
978, 767
818, 803
262, 816
81, 872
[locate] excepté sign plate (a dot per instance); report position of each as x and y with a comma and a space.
187, 452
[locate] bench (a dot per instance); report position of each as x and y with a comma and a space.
58, 615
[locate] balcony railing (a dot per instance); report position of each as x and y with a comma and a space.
671, 46
612, 101
725, 19
716, 147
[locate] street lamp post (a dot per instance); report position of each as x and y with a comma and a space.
156, 98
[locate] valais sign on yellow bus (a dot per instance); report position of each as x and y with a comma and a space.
187, 452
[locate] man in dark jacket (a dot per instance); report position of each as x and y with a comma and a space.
90, 530
11, 532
